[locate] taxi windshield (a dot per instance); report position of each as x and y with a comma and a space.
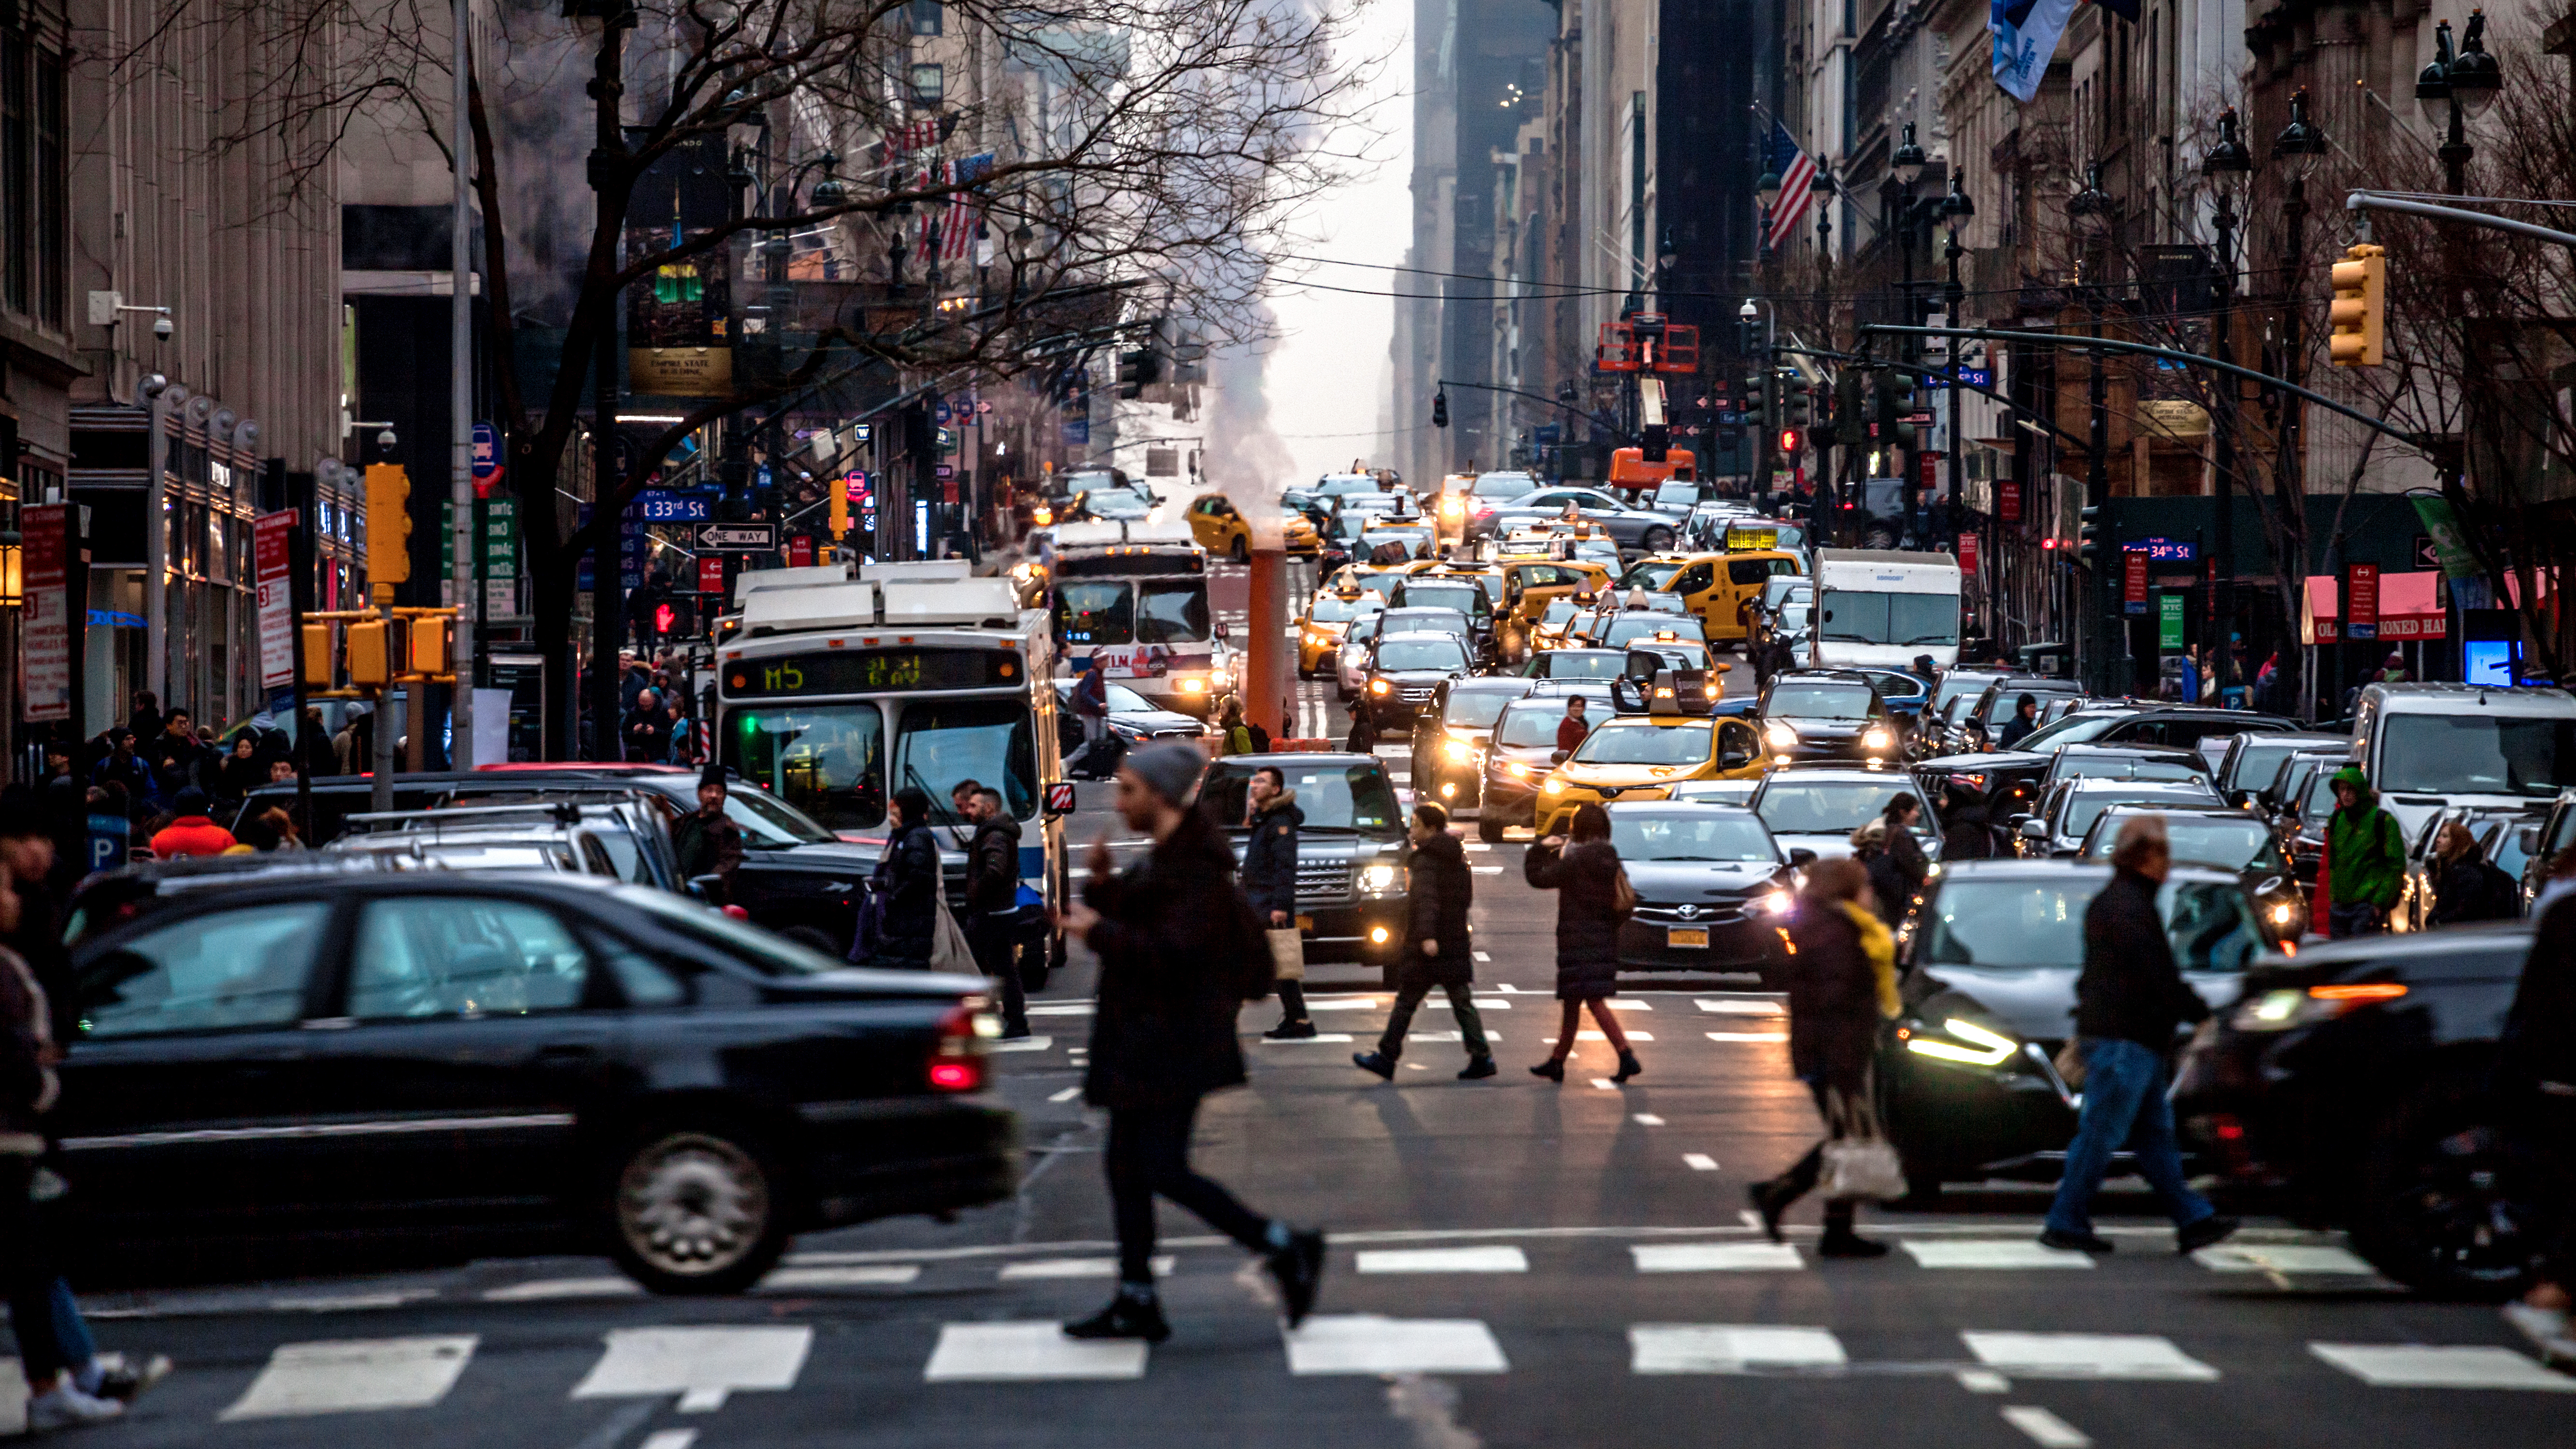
1646, 744
1334, 609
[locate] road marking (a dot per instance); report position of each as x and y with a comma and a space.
2085, 1356
2281, 1258
1745, 1035
2430, 1366
1604, 1083
872, 1275
1060, 1008
1699, 1162
701, 1365
544, 1289
1983, 1381
1647, 1119
1477, 846
670, 1439
1715, 1257
1022, 1044
1486, 869
1445, 1036
1078, 1268
1724, 1348
2045, 1429
1735, 1006
1345, 1003
1588, 1034
345, 1375
1320, 1038
1444, 1260
351, 1302
1067, 1095
1994, 1253
1008, 1352
1621, 1003
1367, 1343
1481, 956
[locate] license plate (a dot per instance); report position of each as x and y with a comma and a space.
1305, 923
1686, 936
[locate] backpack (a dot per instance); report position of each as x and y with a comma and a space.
1260, 738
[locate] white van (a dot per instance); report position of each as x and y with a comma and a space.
1881, 608
2426, 746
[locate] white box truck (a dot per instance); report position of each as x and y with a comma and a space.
1881, 609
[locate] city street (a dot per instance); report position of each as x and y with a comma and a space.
1514, 1263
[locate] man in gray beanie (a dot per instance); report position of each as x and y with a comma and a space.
1179, 954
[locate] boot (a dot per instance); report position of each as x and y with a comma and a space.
1553, 1069
1135, 1313
1629, 1066
1840, 1241
1769, 1203
1479, 1068
1298, 1268
1377, 1064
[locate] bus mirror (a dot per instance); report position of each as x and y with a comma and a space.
1059, 798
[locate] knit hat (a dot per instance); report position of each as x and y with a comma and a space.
1874, 833
1171, 770
714, 774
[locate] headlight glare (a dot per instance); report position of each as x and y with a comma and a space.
1555, 787
1876, 739
1982, 1048
1780, 734
1378, 878
1774, 903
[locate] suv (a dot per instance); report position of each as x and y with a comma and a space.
2067, 810
1354, 865
1405, 670
1825, 715
622, 839
1451, 735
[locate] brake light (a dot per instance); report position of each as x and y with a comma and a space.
2359, 991
957, 1061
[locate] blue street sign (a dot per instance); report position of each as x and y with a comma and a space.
657, 505
487, 452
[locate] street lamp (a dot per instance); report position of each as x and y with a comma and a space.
2092, 211
1956, 207
1909, 160
2468, 80
2298, 138
2226, 162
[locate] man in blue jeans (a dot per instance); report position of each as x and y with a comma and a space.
2128, 1002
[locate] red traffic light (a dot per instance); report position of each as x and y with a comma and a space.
1789, 440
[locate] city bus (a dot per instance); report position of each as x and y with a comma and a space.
833, 696
1134, 596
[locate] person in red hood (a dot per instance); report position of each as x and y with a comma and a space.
193, 833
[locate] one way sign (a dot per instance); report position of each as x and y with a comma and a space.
738, 537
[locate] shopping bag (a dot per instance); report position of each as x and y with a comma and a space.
1858, 1161
1287, 953
948, 948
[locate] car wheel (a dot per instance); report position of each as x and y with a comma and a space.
817, 938
2434, 1210
694, 1210
1656, 540
1489, 826
1242, 551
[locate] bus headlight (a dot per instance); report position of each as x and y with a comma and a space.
1194, 686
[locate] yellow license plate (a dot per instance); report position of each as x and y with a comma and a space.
1686, 936
1305, 923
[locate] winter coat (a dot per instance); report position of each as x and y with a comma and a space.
993, 867
1913, 867
908, 879
1270, 859
2539, 1042
2130, 988
1586, 878
1841, 980
707, 846
2471, 889
1179, 955
1443, 888
27, 1086
192, 835
2016, 729
1965, 835
1887, 884
2368, 851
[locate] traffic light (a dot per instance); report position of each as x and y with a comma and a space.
430, 643
370, 653
838, 519
2360, 310
1440, 408
1789, 441
1138, 370
388, 524
318, 661
1756, 404
1851, 425
2089, 547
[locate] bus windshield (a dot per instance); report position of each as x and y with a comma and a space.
1095, 613
827, 760
1856, 617
993, 742
1173, 612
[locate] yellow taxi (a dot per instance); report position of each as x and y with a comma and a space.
1529, 586
1327, 618
1642, 756
1221, 528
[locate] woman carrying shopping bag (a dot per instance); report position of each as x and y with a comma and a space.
1593, 897
1841, 978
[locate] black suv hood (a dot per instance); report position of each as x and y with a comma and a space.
2033, 1003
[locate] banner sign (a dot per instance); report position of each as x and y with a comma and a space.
2169, 621
44, 626
273, 569
2008, 501
2361, 601
2133, 580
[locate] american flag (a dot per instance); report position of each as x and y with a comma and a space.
955, 223
921, 135
1797, 175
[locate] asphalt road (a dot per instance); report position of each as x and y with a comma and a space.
1514, 1263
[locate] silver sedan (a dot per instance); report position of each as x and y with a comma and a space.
1630, 527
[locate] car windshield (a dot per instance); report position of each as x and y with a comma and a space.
1410, 621
1677, 491
1859, 617
1334, 609
1462, 597
1651, 575
2039, 923
1819, 701
2259, 758
1585, 664
1332, 796
2083, 807
1955, 684
1121, 504
1642, 626
1533, 723
1095, 611
1717, 792
1828, 807
2475, 754
2001, 707
1504, 485
2504, 847
1560, 609
946, 742
2226, 844
826, 760
1690, 835
1475, 709
1646, 744
767, 821
1409, 653
1122, 700
2318, 798
1173, 611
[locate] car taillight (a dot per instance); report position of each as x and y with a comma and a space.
957, 1062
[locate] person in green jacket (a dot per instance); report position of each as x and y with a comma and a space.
2365, 858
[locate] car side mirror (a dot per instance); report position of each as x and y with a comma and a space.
1801, 858
1558, 757
2030, 829
2528, 839
703, 887
1733, 759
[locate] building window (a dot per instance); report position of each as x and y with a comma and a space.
928, 17
32, 279
929, 83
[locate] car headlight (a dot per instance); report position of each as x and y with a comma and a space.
2284, 912
1876, 739
1554, 787
1779, 734
1377, 686
1379, 878
2290, 1008
1517, 770
1774, 903
1461, 750
1194, 686
1960, 1041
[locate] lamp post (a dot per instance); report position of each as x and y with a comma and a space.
2469, 80
1820, 499
2091, 212
2225, 164
1956, 207
2298, 138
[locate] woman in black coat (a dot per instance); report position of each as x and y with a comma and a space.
1841, 979
1437, 949
1586, 875
907, 885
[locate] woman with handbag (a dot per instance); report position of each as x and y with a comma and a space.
1841, 978
1270, 881
905, 892
1594, 897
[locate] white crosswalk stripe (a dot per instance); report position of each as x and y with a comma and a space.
701, 1365
1021, 1352
1365, 1343
1992, 1253
349, 1375
1444, 1260
1725, 1348
1715, 1257
2085, 1356
2434, 1366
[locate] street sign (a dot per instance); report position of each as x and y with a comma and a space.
2133, 583
2169, 621
800, 552
44, 634
711, 573
1967, 553
2007, 501
944, 413
738, 537
2361, 601
487, 458
270, 534
2166, 550
663, 505
2426, 555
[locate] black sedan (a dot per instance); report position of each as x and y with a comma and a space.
1964, 1077
2349, 1086
1452, 735
521, 1064
2221, 840
1713, 888
1825, 716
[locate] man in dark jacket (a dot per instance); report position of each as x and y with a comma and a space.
1437, 951
907, 885
706, 840
1179, 955
178, 760
126, 769
992, 896
1270, 881
2024, 722
1966, 833
646, 730
2128, 1002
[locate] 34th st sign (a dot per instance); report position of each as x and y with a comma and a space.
738, 537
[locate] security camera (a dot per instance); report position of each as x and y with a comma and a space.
161, 328
385, 439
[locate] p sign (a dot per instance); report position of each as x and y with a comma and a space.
1059, 797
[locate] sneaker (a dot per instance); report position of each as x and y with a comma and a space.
1375, 1063
1299, 1030
1127, 1316
125, 1381
1478, 1068
1299, 1271
2549, 1331
2093, 1243
66, 1407
2214, 1229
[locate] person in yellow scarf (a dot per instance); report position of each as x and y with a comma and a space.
1841, 978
